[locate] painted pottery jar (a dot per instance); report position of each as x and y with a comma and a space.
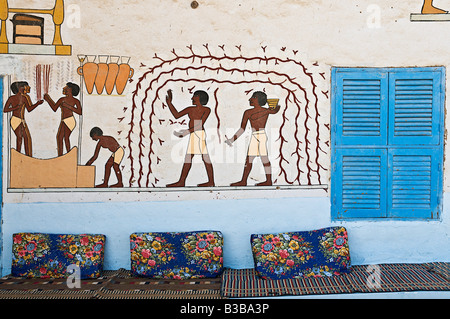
125, 73
102, 73
89, 72
113, 70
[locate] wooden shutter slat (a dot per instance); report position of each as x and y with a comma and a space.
362, 108
414, 183
360, 183
414, 108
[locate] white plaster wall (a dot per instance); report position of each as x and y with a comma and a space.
331, 32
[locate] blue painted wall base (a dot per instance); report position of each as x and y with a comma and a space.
370, 241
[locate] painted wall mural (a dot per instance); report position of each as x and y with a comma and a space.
17, 104
235, 85
430, 12
428, 8
211, 116
108, 73
28, 30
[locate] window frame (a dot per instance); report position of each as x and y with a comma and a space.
337, 145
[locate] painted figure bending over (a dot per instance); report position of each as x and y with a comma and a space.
198, 114
68, 105
17, 104
111, 144
257, 117
428, 8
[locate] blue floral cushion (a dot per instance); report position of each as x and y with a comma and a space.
37, 255
177, 255
317, 253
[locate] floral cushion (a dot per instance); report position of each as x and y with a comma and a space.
177, 255
317, 253
37, 255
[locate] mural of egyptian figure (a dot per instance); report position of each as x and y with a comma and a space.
68, 105
111, 144
198, 114
428, 8
257, 116
17, 104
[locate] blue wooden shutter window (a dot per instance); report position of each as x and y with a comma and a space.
414, 115
414, 183
387, 142
362, 191
363, 111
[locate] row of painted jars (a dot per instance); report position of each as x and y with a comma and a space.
106, 74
